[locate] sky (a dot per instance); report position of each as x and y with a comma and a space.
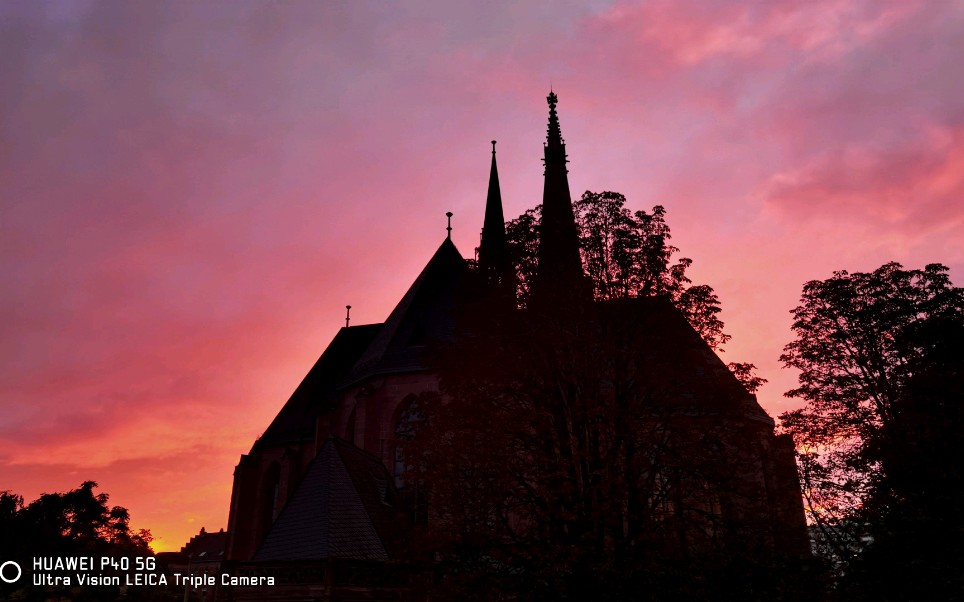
191, 192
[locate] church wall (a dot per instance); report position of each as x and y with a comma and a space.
366, 415
766, 505
263, 481
738, 489
789, 519
757, 500
241, 519
376, 404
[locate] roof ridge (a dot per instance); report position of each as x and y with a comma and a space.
431, 284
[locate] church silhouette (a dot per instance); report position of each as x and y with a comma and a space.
322, 502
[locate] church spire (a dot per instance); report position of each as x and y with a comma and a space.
554, 134
560, 268
493, 255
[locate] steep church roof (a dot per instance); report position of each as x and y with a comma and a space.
696, 378
423, 315
345, 507
316, 393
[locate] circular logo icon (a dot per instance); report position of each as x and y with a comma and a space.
6, 572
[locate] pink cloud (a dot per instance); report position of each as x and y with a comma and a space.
921, 185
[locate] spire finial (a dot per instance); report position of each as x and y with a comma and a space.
554, 134
493, 147
449, 215
347, 315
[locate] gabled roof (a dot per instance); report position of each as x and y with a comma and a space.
694, 373
315, 394
345, 507
423, 315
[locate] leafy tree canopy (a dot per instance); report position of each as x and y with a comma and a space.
627, 254
880, 357
79, 522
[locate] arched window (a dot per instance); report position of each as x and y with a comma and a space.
270, 495
405, 426
412, 489
350, 427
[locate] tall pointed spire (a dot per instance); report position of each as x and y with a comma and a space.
493, 255
560, 268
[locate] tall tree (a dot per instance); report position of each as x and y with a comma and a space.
625, 254
876, 354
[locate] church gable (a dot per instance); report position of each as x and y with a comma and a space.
423, 315
317, 391
694, 372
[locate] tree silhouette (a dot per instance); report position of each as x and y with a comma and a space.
626, 254
572, 453
76, 523
879, 355
560, 463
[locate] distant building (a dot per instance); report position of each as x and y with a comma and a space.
319, 500
201, 556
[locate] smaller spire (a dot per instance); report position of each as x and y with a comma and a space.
347, 315
449, 215
494, 261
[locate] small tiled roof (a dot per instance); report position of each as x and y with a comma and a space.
345, 507
316, 393
208, 546
204, 547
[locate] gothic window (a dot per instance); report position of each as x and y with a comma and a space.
350, 427
412, 489
270, 495
408, 420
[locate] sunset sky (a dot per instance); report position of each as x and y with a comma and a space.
191, 192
